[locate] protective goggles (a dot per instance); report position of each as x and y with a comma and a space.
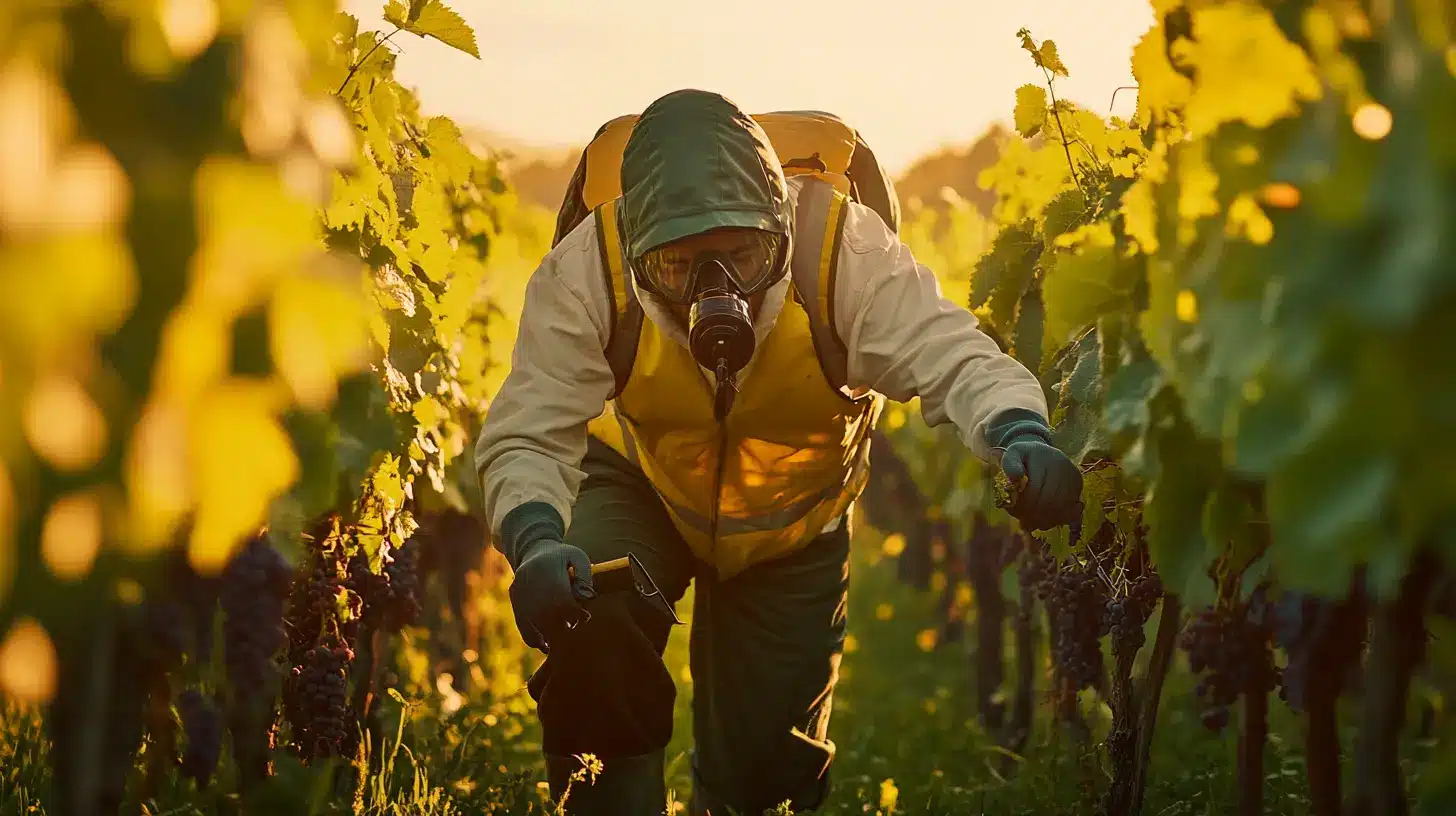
753, 261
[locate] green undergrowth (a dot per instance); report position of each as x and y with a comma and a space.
903, 723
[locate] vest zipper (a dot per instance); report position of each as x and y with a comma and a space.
713, 383
718, 490
720, 467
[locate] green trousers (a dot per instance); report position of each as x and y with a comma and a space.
765, 652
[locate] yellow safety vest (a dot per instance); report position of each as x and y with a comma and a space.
793, 453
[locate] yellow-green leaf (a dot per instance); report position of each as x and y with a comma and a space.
434, 19
1050, 60
1159, 86
317, 333
241, 461
1080, 287
1031, 109
1247, 71
428, 412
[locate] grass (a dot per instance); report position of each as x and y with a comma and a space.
906, 737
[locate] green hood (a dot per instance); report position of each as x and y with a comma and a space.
695, 162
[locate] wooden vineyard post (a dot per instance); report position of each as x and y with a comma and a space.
1396, 647
1150, 694
983, 561
1252, 736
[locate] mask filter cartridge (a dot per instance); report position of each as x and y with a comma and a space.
720, 333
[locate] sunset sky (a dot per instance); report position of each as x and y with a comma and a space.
910, 75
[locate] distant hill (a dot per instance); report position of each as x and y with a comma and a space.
540, 174
956, 168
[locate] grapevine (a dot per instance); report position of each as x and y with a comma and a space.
247, 335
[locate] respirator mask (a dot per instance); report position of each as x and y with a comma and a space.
715, 283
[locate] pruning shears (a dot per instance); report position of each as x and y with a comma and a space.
625, 574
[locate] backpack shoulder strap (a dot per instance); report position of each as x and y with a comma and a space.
818, 229
626, 325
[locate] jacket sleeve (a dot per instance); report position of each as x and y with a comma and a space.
906, 340
534, 435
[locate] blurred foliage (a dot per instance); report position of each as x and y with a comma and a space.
1239, 294
244, 282
245, 287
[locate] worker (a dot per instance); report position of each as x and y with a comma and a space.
713, 443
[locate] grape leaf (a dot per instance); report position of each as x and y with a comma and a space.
1227, 522
1011, 287
1128, 393
245, 462
1028, 44
1030, 113
1109, 340
1247, 71
1069, 209
315, 438
1326, 508
1159, 87
1058, 541
1011, 251
1080, 435
365, 425
381, 149
1283, 422
1174, 509
1085, 377
432, 18
1050, 60
1030, 318
1097, 488
1082, 286
1159, 324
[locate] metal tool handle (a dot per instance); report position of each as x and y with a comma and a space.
638, 579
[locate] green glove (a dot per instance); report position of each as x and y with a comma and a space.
552, 578
1049, 485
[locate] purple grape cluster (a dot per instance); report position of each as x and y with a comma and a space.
390, 598
1073, 598
199, 596
315, 699
1231, 649
169, 632
176, 620
312, 617
1324, 640
1123, 618
255, 590
1073, 603
321, 687
312, 611
402, 568
203, 725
